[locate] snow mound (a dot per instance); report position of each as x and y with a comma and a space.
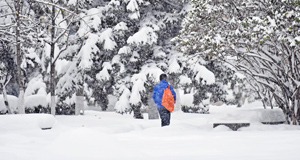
249, 115
26, 121
13, 103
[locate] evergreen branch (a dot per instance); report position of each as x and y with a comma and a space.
172, 4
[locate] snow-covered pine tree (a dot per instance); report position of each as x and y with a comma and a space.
130, 34
203, 82
259, 38
149, 27
72, 87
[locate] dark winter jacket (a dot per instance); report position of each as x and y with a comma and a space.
159, 90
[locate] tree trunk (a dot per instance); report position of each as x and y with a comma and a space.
294, 110
52, 81
79, 105
291, 111
21, 108
52, 63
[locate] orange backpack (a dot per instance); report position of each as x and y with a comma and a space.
168, 100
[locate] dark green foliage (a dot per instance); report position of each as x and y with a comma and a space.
65, 109
37, 109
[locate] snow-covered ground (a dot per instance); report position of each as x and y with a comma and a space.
108, 135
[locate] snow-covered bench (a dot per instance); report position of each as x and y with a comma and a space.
272, 116
232, 125
27, 121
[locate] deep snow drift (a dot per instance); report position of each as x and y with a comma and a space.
108, 135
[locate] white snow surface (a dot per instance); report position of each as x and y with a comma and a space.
111, 136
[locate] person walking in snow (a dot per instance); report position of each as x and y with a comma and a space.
158, 93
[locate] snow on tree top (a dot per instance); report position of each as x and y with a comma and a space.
138, 81
218, 39
152, 71
174, 67
106, 37
145, 36
203, 73
135, 97
114, 2
107, 65
132, 6
36, 86
117, 60
158, 53
152, 22
121, 26
88, 48
135, 57
289, 14
184, 80
138, 77
122, 105
103, 74
135, 15
72, 2
93, 20
125, 50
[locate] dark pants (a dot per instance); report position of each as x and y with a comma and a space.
165, 116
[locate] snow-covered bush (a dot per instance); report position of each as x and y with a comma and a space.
36, 104
12, 101
188, 106
259, 38
35, 96
66, 106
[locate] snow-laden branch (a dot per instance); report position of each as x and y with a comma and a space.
53, 4
264, 60
61, 51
